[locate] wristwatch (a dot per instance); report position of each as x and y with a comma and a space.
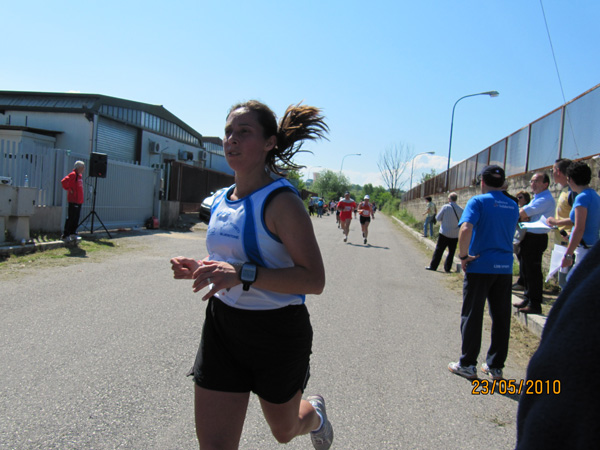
569, 256
248, 275
462, 258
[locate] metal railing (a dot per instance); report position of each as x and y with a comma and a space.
570, 131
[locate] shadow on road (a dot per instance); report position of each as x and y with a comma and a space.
367, 246
485, 387
76, 252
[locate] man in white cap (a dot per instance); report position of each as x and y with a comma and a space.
365, 210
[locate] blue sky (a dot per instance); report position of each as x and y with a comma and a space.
385, 72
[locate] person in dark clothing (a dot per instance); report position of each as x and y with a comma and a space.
565, 368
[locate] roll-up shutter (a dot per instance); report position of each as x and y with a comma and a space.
117, 140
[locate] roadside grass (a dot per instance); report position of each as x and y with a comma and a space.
405, 216
523, 343
13, 264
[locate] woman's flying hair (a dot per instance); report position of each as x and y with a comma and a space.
298, 124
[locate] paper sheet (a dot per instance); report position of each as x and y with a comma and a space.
537, 225
555, 259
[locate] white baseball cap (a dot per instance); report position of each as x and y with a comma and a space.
367, 197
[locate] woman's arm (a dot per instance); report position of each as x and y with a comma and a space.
576, 234
554, 222
286, 217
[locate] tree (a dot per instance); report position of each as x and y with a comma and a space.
392, 164
331, 185
427, 176
295, 178
379, 195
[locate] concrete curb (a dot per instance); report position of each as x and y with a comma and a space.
534, 322
30, 248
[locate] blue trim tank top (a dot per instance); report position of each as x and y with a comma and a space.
237, 233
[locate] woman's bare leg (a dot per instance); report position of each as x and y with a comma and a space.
219, 418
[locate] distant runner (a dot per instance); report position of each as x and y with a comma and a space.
366, 212
346, 207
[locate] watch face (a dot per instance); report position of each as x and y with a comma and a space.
248, 273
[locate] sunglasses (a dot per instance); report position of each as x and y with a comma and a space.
520, 197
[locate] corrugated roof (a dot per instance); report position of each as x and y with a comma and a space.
76, 102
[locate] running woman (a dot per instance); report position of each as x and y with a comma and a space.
366, 211
346, 207
263, 259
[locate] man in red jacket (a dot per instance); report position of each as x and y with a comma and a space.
73, 184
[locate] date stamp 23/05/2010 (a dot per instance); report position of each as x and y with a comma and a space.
515, 387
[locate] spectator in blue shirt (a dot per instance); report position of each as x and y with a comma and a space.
585, 213
485, 248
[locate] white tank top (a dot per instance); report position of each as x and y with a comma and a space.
237, 233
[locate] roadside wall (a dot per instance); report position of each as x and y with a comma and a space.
46, 218
169, 213
515, 184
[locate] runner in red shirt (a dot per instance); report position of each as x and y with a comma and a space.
365, 209
346, 207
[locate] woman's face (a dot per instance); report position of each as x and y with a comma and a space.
521, 199
244, 143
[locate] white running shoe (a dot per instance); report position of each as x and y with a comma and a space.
468, 372
323, 437
495, 374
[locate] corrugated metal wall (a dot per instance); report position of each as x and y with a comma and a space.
117, 140
125, 198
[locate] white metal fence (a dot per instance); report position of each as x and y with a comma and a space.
125, 198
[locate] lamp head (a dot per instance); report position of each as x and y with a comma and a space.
492, 93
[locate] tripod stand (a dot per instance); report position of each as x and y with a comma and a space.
93, 212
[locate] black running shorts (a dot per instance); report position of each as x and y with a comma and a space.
265, 352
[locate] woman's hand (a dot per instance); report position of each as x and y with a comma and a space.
219, 274
566, 262
183, 268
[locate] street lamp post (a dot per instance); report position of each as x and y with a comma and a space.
413, 165
349, 154
491, 94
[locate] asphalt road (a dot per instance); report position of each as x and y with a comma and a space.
94, 354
